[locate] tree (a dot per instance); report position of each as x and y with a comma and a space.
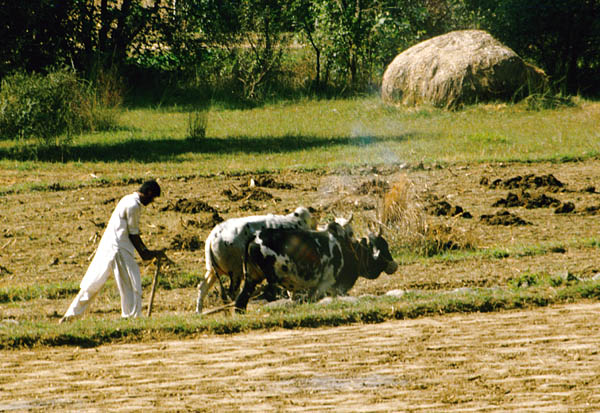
362, 36
303, 16
108, 31
562, 36
33, 34
263, 25
80, 33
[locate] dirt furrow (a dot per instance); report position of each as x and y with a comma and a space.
540, 360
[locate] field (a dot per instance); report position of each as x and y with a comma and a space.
525, 245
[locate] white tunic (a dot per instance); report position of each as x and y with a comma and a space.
115, 255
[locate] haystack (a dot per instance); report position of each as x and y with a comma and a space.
457, 68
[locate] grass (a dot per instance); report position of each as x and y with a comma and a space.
404, 257
324, 134
407, 256
93, 332
69, 289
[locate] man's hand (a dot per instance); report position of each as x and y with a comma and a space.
161, 255
150, 254
144, 252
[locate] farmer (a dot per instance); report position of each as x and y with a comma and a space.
115, 255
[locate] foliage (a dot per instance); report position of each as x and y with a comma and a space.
35, 35
563, 37
50, 109
106, 32
402, 211
197, 123
44, 107
239, 47
541, 101
263, 25
356, 39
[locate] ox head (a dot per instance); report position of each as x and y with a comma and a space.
304, 215
339, 224
379, 257
345, 224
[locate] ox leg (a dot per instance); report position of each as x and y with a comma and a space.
253, 276
322, 290
209, 279
241, 302
224, 296
272, 292
235, 280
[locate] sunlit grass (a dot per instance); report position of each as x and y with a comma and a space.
322, 134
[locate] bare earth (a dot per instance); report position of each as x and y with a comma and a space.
50, 236
537, 360
542, 360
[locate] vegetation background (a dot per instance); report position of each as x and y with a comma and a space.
249, 51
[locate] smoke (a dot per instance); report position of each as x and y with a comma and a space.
384, 154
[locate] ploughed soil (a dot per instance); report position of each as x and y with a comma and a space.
540, 360
543, 360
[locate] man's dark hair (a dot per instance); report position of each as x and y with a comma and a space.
150, 186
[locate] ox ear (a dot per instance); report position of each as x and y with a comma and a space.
380, 232
351, 216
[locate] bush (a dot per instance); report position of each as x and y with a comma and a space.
108, 95
49, 109
42, 107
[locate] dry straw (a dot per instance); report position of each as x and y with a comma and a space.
403, 213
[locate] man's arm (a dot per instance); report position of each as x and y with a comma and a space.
140, 247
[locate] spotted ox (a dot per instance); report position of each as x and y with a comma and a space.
321, 262
226, 244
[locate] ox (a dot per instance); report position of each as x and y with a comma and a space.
226, 245
321, 262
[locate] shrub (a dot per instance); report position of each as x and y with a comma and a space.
43, 107
402, 210
108, 95
541, 101
50, 109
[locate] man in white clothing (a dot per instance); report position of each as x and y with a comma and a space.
116, 255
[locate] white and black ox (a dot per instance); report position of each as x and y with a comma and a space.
226, 245
326, 262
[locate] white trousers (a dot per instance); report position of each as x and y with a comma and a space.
127, 275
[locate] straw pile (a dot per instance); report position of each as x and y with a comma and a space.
458, 68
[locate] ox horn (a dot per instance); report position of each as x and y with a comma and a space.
371, 226
381, 226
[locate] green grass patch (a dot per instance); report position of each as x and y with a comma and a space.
189, 280
405, 257
68, 289
324, 134
48, 291
541, 291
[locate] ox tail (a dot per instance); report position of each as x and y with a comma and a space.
218, 271
245, 260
